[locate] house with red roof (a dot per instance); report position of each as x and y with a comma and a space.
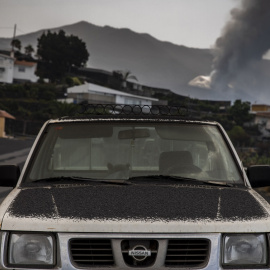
14, 70
25, 71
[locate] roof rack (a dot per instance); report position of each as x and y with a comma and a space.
135, 110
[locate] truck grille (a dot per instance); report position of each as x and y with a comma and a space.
112, 252
187, 252
91, 252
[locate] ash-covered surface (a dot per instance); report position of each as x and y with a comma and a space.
238, 204
264, 192
33, 203
138, 202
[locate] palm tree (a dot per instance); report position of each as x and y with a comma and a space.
16, 43
29, 50
125, 76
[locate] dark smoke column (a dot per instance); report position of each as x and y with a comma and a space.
244, 39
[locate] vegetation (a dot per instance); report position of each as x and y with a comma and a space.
57, 53
29, 50
32, 105
239, 136
16, 43
127, 75
239, 112
121, 77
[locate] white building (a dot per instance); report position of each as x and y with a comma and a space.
262, 119
25, 71
95, 94
6, 68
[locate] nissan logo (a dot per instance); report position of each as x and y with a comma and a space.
139, 253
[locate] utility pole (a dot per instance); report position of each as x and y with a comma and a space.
14, 35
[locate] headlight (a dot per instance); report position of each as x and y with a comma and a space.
27, 249
245, 249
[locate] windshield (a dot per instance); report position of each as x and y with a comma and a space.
116, 151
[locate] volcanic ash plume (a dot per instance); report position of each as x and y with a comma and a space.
244, 39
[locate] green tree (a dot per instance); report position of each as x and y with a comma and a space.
64, 109
29, 50
16, 43
57, 53
239, 112
238, 136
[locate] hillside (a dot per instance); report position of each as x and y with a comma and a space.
153, 62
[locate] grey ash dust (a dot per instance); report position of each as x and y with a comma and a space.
138, 202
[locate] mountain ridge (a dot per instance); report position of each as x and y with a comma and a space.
155, 63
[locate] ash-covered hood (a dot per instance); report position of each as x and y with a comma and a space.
137, 208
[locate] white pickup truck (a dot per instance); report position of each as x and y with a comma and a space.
133, 189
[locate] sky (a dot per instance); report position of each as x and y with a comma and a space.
192, 23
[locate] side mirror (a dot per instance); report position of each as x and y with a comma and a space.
9, 175
259, 175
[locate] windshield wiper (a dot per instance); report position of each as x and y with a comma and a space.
78, 178
181, 178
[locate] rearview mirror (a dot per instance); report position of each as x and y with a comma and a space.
134, 133
9, 175
259, 175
